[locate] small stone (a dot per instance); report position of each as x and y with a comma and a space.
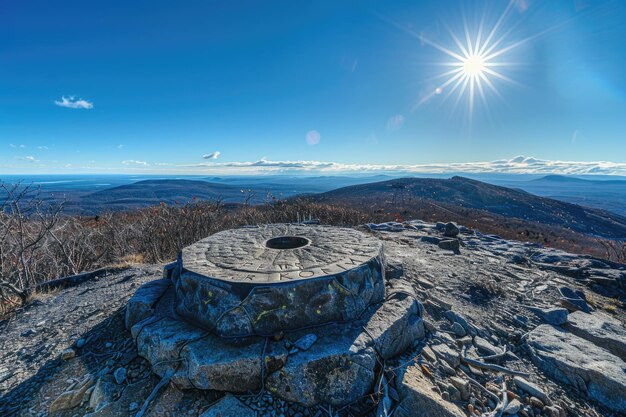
428, 353
455, 394
485, 346
120, 375
108, 345
73, 397
447, 354
451, 230
306, 341
104, 392
447, 368
536, 402
450, 244
573, 300
532, 389
513, 407
554, 316
68, 354
28, 333
458, 330
552, 411
463, 386
133, 406
80, 343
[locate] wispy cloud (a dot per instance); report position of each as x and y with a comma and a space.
120, 146
28, 158
43, 148
134, 162
516, 165
312, 137
72, 102
395, 122
17, 146
212, 155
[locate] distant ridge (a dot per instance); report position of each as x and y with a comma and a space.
570, 179
459, 193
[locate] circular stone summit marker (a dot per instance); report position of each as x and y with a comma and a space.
265, 280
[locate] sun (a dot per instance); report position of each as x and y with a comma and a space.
474, 66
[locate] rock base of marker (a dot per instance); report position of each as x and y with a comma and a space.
334, 363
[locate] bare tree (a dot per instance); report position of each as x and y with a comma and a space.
615, 250
26, 222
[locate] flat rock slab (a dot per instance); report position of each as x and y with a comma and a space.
279, 253
260, 281
600, 329
570, 359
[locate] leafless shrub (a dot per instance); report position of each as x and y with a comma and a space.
615, 250
25, 225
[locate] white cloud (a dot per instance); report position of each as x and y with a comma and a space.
134, 162
72, 102
28, 158
212, 155
516, 165
395, 122
43, 148
120, 146
17, 146
312, 137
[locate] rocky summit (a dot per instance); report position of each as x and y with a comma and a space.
402, 319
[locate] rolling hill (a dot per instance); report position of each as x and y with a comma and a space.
153, 192
459, 195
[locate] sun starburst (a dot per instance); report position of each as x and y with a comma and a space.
480, 62
473, 68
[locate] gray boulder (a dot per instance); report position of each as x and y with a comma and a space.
451, 230
233, 365
418, 397
73, 396
104, 392
397, 324
570, 359
450, 244
141, 304
337, 370
160, 341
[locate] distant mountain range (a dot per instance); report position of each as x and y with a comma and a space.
599, 209
467, 194
603, 193
575, 180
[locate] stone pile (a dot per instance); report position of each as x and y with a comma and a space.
303, 312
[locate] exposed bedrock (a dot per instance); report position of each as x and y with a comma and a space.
337, 365
593, 371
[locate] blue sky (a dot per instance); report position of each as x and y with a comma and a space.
157, 86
